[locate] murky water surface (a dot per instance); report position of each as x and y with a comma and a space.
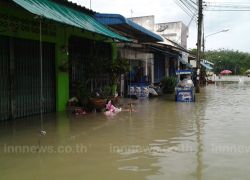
208, 139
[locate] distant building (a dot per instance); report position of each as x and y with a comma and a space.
173, 49
147, 22
140, 56
174, 31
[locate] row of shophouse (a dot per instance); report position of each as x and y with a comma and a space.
55, 44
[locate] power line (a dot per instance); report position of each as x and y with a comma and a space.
229, 5
194, 8
190, 9
236, 10
188, 4
192, 19
226, 6
186, 10
193, 2
229, 2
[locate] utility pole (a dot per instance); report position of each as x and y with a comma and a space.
200, 20
203, 40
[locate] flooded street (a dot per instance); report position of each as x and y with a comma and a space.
162, 139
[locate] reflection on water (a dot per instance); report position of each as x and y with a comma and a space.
208, 139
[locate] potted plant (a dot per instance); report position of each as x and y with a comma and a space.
168, 84
115, 69
99, 97
83, 95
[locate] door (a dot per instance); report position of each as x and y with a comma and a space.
159, 67
21, 85
5, 110
87, 58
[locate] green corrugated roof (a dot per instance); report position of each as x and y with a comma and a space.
66, 15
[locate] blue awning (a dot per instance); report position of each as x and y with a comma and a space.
207, 62
186, 71
207, 66
66, 15
128, 27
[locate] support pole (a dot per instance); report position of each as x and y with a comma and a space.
203, 40
42, 132
41, 73
200, 20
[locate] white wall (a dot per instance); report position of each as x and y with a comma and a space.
175, 31
147, 22
131, 54
147, 58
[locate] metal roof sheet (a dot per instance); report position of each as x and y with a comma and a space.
207, 66
63, 14
128, 27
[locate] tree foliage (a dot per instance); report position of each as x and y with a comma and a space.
236, 61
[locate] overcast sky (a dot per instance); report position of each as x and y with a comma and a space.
167, 11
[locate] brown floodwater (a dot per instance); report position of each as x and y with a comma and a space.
162, 139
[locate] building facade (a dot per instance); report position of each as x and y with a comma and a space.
169, 56
43, 52
174, 31
139, 55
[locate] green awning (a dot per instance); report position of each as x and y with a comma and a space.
66, 15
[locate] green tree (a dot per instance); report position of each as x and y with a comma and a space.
236, 61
